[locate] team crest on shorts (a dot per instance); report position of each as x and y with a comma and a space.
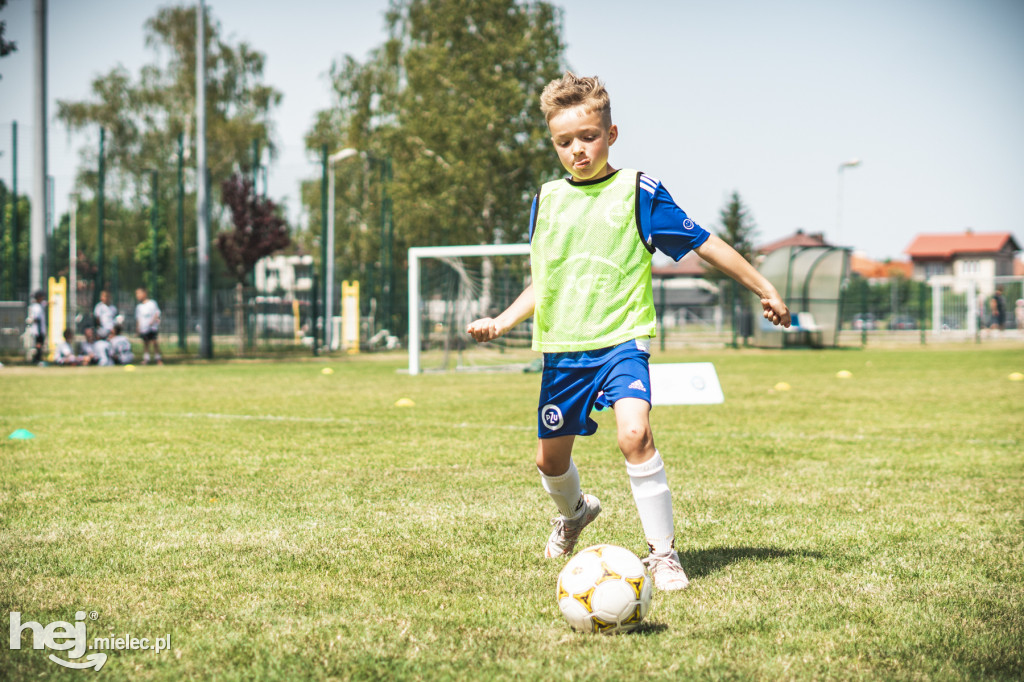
551, 416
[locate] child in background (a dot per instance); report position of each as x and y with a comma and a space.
120, 347
65, 353
147, 324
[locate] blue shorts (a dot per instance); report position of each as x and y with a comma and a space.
568, 393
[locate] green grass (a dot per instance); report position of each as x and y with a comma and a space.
284, 524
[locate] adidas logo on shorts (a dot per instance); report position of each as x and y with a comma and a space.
638, 385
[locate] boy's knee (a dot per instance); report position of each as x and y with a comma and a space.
636, 442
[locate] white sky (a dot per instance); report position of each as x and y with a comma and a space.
764, 97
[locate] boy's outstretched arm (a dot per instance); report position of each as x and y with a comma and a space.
728, 260
490, 328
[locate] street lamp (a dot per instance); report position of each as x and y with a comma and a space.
852, 163
334, 158
73, 260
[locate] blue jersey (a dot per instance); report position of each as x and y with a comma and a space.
663, 226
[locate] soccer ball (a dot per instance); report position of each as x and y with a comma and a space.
604, 589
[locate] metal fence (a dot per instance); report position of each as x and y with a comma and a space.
888, 312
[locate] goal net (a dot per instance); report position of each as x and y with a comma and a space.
449, 287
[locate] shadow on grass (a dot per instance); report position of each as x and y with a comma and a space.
701, 562
648, 628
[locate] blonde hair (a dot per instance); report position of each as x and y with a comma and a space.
570, 91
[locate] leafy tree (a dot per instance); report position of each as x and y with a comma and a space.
15, 265
451, 98
738, 229
6, 46
259, 231
144, 114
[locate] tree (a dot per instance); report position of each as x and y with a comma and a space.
451, 98
6, 46
738, 229
259, 231
15, 265
143, 116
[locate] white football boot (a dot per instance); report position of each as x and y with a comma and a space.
567, 531
667, 572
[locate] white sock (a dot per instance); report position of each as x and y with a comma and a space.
565, 491
653, 502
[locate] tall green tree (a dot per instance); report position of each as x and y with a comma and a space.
143, 115
451, 98
737, 228
14, 283
6, 46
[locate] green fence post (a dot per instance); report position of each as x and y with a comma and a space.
182, 320
922, 297
864, 313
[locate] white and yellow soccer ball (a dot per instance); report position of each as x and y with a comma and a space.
604, 589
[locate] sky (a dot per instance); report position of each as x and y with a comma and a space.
766, 98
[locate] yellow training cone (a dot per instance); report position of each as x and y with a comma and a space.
129, 368
327, 370
782, 386
1017, 376
843, 374
404, 402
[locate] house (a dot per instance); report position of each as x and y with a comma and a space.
878, 271
969, 255
798, 238
682, 293
284, 275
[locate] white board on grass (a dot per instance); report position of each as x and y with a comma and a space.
685, 383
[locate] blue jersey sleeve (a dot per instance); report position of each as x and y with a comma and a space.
663, 224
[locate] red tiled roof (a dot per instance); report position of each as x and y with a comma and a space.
798, 238
945, 246
690, 265
872, 269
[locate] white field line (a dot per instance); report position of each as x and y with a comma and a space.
703, 435
285, 418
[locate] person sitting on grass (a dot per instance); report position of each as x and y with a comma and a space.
120, 347
65, 353
591, 240
87, 347
101, 349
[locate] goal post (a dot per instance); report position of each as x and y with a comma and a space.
418, 253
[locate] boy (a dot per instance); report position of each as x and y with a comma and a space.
120, 347
104, 315
65, 353
591, 237
87, 348
37, 326
147, 324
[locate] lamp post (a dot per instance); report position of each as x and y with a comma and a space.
73, 261
852, 163
334, 158
154, 217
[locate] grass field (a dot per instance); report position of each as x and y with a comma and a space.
279, 523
